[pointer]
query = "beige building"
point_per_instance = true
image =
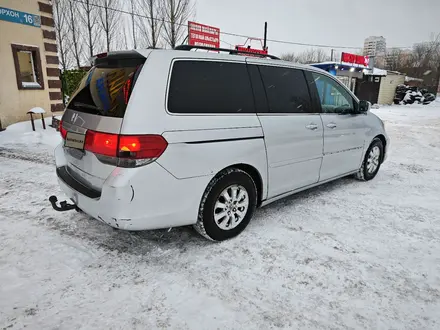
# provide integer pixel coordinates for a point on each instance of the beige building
(29, 62)
(388, 85)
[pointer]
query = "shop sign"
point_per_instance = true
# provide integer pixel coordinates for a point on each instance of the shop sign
(355, 59)
(15, 16)
(251, 50)
(203, 35)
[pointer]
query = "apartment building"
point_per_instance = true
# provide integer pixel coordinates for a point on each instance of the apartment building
(374, 46)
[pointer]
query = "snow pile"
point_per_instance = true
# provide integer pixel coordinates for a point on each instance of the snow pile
(19, 141)
(21, 134)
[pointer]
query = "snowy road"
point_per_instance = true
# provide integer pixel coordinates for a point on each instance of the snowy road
(342, 256)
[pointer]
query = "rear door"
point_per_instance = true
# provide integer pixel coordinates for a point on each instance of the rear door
(344, 130)
(292, 129)
(98, 105)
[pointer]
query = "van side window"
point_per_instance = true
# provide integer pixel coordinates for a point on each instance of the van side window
(286, 90)
(210, 87)
(334, 98)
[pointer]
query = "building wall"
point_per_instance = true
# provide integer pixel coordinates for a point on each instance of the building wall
(14, 103)
(388, 86)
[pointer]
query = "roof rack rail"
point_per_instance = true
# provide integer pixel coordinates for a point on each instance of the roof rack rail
(230, 51)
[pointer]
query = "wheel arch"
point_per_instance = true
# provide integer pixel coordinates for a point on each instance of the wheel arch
(255, 175)
(382, 138)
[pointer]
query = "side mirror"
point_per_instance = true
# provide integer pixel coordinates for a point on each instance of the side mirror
(364, 106)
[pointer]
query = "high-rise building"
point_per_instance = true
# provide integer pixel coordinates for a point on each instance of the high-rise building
(374, 46)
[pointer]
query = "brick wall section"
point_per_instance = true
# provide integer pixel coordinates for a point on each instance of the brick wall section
(50, 56)
(53, 72)
(50, 47)
(47, 21)
(49, 35)
(51, 59)
(55, 107)
(56, 83)
(55, 96)
(45, 8)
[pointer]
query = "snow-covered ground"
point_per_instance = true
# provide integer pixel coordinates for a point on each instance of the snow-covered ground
(347, 255)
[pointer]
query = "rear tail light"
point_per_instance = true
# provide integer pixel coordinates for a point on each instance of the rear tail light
(101, 143)
(62, 130)
(125, 150)
(142, 146)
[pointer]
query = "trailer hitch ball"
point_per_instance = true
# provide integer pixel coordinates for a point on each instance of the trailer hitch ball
(64, 206)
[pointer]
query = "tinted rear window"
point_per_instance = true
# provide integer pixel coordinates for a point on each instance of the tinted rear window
(286, 90)
(210, 87)
(105, 91)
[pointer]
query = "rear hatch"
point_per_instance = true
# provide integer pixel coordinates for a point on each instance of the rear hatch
(92, 121)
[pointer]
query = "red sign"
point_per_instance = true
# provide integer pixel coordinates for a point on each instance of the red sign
(203, 35)
(355, 59)
(251, 50)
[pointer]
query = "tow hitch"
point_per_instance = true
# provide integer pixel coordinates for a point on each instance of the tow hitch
(64, 206)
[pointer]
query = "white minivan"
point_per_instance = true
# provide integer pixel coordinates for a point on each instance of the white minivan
(165, 138)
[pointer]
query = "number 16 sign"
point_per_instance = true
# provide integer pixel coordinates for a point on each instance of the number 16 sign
(19, 17)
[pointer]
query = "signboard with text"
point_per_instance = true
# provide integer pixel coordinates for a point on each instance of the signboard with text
(19, 17)
(355, 59)
(203, 35)
(251, 50)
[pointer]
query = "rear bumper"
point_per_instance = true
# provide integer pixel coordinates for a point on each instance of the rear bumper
(142, 198)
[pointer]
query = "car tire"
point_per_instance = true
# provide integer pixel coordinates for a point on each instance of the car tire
(220, 218)
(372, 161)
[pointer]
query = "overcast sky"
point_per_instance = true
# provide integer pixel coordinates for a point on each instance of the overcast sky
(335, 22)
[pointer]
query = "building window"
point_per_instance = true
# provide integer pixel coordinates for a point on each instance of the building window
(28, 70)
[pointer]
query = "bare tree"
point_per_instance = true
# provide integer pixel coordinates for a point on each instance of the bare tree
(61, 30)
(176, 14)
(396, 59)
(74, 27)
(88, 15)
(133, 30)
(109, 16)
(151, 26)
(291, 57)
(313, 55)
(425, 63)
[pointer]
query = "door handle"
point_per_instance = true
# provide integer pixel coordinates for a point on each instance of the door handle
(312, 126)
(331, 125)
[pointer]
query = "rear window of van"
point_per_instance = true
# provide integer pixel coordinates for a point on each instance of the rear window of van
(105, 91)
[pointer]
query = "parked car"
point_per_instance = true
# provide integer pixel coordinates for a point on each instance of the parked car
(165, 138)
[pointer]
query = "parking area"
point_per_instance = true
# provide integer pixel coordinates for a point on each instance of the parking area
(344, 255)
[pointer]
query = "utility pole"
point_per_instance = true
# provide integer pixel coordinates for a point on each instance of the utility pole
(331, 56)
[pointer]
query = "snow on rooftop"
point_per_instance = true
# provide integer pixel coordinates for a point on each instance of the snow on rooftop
(413, 79)
(377, 72)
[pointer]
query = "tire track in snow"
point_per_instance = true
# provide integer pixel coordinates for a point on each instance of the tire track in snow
(40, 158)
